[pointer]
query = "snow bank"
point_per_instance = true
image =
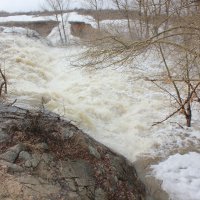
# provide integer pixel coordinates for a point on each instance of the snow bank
(29, 33)
(114, 26)
(25, 18)
(72, 16)
(21, 31)
(121, 26)
(54, 36)
(75, 17)
(180, 175)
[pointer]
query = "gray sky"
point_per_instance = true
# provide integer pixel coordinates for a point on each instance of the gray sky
(29, 5)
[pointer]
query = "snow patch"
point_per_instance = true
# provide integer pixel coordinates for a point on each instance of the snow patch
(180, 175)
(75, 17)
(21, 31)
(24, 18)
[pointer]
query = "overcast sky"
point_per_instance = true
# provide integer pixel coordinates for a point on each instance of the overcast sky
(32, 5)
(29, 5)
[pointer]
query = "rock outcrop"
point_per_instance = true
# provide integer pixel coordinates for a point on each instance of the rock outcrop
(45, 158)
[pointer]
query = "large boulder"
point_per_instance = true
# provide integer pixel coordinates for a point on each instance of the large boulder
(56, 160)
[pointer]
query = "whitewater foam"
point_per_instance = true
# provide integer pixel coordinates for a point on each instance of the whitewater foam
(107, 104)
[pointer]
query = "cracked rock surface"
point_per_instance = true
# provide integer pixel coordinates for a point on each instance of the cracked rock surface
(45, 158)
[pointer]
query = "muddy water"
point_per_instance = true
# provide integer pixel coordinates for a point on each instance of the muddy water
(107, 104)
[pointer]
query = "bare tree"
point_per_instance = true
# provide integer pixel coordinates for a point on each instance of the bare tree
(176, 38)
(97, 6)
(124, 6)
(58, 7)
(183, 85)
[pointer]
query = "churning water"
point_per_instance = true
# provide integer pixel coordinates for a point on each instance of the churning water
(107, 104)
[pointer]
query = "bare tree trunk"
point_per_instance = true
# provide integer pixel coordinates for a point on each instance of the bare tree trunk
(98, 22)
(63, 28)
(60, 33)
(129, 26)
(58, 6)
(124, 8)
(189, 115)
(61, 8)
(140, 15)
(96, 5)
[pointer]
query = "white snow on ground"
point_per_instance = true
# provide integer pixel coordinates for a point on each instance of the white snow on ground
(53, 37)
(121, 26)
(180, 175)
(20, 30)
(24, 32)
(75, 17)
(114, 26)
(24, 18)
(72, 16)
